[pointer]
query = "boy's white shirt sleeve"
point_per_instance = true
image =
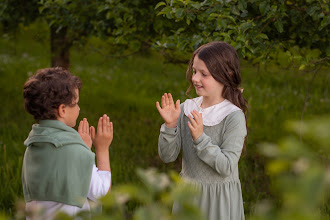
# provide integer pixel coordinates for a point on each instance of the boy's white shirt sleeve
(100, 183)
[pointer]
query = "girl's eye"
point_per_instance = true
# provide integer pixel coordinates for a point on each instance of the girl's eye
(204, 74)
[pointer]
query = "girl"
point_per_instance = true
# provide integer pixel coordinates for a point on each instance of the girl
(211, 130)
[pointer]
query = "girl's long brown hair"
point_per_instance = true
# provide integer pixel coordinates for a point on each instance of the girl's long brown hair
(222, 61)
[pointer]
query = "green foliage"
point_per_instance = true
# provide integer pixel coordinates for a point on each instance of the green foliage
(256, 28)
(299, 167)
(15, 12)
(127, 89)
(128, 25)
(77, 16)
(156, 196)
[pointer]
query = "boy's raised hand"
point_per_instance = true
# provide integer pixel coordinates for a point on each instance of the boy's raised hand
(168, 111)
(102, 140)
(84, 132)
(104, 135)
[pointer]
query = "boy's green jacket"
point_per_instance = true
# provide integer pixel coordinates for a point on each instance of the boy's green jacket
(57, 164)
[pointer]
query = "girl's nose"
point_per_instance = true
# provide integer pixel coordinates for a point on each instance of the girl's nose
(195, 78)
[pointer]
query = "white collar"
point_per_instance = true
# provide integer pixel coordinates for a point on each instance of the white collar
(212, 115)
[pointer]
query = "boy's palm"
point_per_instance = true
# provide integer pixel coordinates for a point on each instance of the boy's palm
(169, 111)
(103, 138)
(84, 132)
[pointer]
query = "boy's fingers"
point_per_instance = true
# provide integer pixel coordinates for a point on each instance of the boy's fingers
(86, 126)
(92, 132)
(80, 127)
(99, 125)
(108, 124)
(111, 129)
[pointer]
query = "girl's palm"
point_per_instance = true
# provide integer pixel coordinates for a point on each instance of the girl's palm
(169, 111)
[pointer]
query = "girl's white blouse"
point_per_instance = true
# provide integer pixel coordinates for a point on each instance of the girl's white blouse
(212, 115)
(99, 186)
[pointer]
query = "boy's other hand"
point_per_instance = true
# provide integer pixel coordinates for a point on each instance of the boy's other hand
(84, 132)
(103, 138)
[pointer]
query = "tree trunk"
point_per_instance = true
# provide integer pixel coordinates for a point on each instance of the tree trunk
(59, 47)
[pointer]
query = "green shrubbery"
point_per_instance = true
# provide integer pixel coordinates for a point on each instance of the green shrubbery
(127, 90)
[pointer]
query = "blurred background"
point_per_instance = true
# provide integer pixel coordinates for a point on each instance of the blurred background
(128, 53)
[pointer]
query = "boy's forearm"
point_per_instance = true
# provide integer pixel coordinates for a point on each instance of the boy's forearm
(103, 160)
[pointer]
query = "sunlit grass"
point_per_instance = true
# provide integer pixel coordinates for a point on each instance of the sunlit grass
(126, 89)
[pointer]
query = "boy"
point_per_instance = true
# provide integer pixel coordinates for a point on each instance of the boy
(59, 172)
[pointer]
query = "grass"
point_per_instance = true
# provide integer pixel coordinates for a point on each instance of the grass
(127, 89)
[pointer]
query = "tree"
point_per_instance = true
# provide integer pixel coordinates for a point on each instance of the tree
(256, 28)
(127, 24)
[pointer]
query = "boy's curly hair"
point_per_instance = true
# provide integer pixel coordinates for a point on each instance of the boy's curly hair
(47, 89)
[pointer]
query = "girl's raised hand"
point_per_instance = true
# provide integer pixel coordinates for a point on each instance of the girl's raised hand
(168, 111)
(195, 124)
(84, 132)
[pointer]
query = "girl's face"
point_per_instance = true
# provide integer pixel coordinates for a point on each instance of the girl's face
(204, 82)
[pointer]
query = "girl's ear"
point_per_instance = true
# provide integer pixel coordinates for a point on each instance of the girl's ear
(61, 111)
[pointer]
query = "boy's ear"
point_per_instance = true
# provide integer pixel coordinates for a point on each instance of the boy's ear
(61, 111)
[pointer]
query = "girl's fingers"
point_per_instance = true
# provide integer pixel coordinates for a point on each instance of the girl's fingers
(166, 99)
(163, 101)
(190, 126)
(192, 121)
(177, 104)
(196, 116)
(170, 99)
(158, 107)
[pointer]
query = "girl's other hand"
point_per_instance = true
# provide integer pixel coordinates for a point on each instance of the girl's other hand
(195, 124)
(84, 132)
(103, 138)
(168, 111)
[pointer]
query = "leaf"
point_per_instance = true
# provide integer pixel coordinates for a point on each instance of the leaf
(159, 4)
(168, 13)
(263, 36)
(264, 7)
(179, 12)
(188, 21)
(279, 26)
(214, 15)
(196, 5)
(325, 22)
(235, 10)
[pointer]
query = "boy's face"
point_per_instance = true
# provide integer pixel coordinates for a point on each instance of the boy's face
(72, 112)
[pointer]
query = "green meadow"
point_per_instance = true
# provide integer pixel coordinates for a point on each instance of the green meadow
(127, 89)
